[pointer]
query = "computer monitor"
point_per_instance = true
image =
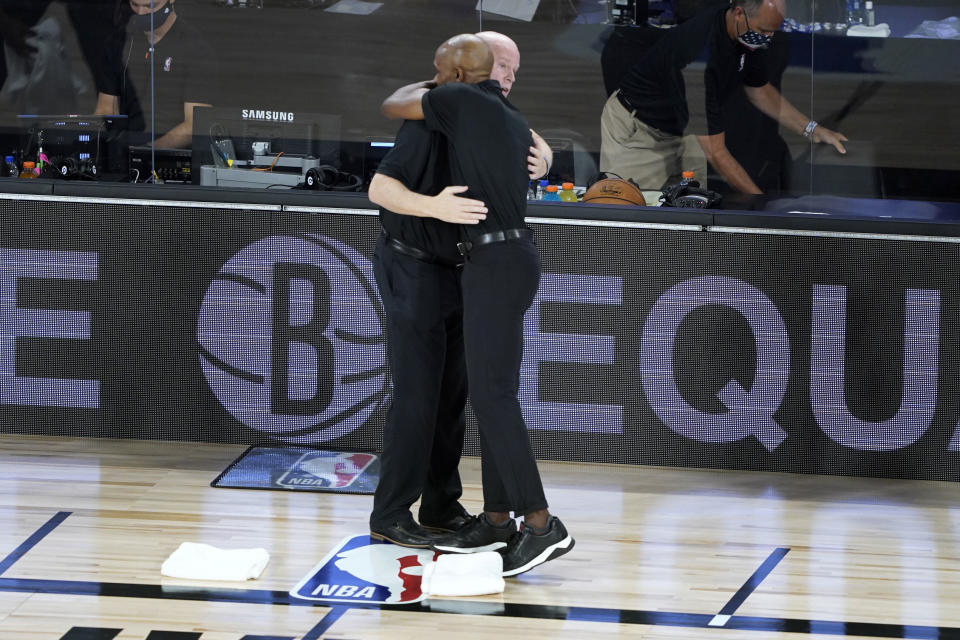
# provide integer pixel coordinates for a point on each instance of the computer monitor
(294, 133)
(375, 150)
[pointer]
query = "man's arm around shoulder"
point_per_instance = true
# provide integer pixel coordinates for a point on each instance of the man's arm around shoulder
(406, 102)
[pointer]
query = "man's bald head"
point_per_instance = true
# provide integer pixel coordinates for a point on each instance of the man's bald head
(765, 16)
(506, 59)
(463, 58)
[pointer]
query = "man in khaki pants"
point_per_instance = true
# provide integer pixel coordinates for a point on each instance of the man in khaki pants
(650, 157)
(661, 121)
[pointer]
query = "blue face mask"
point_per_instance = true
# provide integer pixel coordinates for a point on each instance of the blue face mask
(753, 40)
(140, 22)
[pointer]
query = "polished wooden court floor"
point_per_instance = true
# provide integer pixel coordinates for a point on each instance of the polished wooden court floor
(661, 553)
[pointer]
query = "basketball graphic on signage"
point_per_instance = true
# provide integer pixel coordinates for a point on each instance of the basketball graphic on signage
(279, 343)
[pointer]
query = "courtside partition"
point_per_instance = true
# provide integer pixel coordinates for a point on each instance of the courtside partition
(718, 340)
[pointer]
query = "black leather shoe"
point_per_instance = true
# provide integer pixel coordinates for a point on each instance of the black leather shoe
(404, 534)
(447, 525)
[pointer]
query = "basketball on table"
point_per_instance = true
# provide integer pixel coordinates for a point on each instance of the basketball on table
(614, 191)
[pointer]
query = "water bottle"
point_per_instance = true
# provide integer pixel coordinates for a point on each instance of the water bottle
(869, 13)
(542, 188)
(531, 190)
(551, 194)
(11, 167)
(686, 178)
(854, 12)
(567, 193)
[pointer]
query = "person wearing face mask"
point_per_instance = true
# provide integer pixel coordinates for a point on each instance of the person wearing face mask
(660, 123)
(160, 61)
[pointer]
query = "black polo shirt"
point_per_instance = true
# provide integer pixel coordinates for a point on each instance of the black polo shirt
(655, 84)
(489, 144)
(184, 71)
(419, 160)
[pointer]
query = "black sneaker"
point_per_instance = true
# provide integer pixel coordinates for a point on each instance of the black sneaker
(477, 535)
(528, 549)
(404, 534)
(450, 524)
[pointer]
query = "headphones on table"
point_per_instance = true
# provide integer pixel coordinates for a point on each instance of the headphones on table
(327, 177)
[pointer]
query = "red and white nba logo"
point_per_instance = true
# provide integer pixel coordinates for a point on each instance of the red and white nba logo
(328, 469)
(363, 570)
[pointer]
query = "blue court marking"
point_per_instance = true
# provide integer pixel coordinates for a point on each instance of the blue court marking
(506, 609)
(32, 541)
(324, 625)
(722, 618)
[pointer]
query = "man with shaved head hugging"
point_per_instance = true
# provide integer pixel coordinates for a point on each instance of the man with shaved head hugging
(487, 142)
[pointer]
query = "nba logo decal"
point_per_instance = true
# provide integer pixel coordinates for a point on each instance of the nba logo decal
(361, 570)
(328, 469)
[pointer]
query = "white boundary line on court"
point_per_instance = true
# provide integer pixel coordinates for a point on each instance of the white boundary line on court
(719, 621)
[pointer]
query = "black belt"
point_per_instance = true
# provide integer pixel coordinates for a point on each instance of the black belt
(414, 252)
(625, 102)
(494, 236)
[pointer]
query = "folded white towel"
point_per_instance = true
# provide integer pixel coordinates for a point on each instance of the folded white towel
(199, 561)
(881, 30)
(464, 574)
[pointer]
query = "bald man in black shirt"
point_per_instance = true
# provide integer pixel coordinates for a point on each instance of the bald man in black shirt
(488, 143)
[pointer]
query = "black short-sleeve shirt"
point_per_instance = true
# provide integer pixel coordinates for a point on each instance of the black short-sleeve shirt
(419, 161)
(655, 85)
(489, 142)
(184, 71)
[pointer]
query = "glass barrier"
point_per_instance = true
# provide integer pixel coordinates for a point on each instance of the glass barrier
(891, 82)
(753, 96)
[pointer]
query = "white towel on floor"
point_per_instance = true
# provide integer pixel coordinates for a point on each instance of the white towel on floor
(199, 561)
(464, 574)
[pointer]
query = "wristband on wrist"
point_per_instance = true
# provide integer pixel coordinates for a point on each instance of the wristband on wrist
(808, 130)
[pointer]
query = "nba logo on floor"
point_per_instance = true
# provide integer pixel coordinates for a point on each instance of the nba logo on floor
(327, 469)
(363, 570)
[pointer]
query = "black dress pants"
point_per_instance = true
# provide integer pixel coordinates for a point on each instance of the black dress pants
(423, 435)
(500, 281)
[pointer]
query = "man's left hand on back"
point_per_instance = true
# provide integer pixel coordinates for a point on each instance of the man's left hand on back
(539, 160)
